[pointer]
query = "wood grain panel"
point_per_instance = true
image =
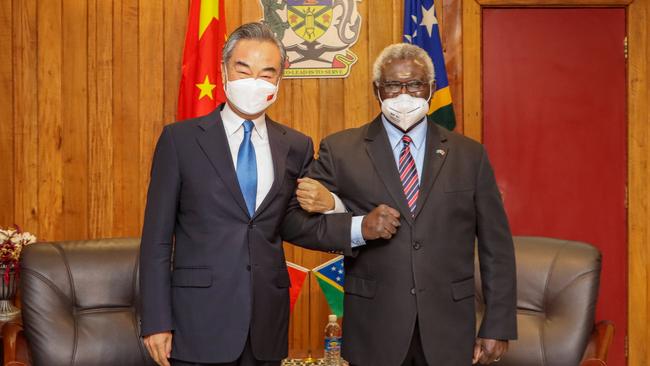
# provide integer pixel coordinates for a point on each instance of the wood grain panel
(638, 177)
(75, 118)
(472, 102)
(175, 19)
(25, 112)
(150, 85)
(357, 87)
(380, 35)
(50, 127)
(452, 46)
(127, 208)
(100, 119)
(6, 116)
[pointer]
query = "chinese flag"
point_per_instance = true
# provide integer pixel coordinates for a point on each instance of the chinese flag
(297, 274)
(201, 88)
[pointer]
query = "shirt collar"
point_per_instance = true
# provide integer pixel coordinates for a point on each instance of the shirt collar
(418, 134)
(232, 122)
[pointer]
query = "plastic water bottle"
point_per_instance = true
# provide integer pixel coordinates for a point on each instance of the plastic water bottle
(332, 342)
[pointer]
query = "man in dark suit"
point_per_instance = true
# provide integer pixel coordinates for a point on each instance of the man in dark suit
(409, 296)
(213, 278)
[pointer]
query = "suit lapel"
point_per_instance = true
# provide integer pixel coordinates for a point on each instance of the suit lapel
(214, 144)
(380, 153)
(435, 153)
(279, 150)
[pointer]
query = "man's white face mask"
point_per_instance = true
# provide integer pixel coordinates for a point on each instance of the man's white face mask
(250, 96)
(404, 110)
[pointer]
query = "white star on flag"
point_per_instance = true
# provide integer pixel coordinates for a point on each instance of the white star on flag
(429, 18)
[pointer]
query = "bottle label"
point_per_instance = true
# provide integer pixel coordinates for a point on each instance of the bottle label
(333, 344)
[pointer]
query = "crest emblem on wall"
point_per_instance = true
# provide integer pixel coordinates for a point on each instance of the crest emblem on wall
(317, 35)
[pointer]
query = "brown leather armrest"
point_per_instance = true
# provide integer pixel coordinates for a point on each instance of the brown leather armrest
(599, 343)
(14, 345)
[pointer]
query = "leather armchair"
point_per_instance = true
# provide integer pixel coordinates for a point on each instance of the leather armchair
(79, 306)
(557, 289)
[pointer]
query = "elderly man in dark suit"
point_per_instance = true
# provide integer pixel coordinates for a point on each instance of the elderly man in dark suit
(409, 295)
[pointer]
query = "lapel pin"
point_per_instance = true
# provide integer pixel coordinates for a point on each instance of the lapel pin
(440, 152)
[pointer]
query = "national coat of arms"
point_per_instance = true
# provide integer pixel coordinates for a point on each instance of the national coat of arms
(317, 35)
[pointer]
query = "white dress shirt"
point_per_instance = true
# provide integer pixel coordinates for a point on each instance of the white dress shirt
(260, 139)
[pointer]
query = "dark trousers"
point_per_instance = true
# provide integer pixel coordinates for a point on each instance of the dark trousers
(246, 359)
(415, 355)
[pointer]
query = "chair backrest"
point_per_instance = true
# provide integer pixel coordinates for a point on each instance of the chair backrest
(79, 303)
(557, 289)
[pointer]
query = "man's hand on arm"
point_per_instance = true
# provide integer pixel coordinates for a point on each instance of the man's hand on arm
(382, 222)
(159, 346)
(487, 351)
(313, 196)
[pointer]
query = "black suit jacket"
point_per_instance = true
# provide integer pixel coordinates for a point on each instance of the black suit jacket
(426, 271)
(228, 276)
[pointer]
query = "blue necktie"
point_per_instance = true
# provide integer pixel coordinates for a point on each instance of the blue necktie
(247, 168)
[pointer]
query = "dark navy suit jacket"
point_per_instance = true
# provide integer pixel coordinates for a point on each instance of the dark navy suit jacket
(226, 276)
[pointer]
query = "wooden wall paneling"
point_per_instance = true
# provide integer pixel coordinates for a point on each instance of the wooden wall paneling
(306, 97)
(472, 102)
(250, 11)
(380, 35)
(305, 101)
(50, 129)
(332, 106)
(233, 15)
(451, 32)
(639, 175)
(398, 19)
(6, 115)
(561, 3)
(100, 119)
(150, 83)
(75, 118)
(357, 87)
(25, 111)
(127, 206)
(175, 19)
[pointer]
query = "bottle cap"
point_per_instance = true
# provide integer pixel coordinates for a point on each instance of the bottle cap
(332, 318)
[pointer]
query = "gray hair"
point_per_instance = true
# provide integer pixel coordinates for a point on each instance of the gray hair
(402, 51)
(253, 31)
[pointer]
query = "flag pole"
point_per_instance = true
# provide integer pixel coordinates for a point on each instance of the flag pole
(309, 359)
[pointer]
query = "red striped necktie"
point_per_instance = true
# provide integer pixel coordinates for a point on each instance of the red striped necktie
(408, 173)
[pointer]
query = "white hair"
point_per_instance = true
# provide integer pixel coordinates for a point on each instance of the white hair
(402, 51)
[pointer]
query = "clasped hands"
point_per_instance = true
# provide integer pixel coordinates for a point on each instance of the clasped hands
(380, 223)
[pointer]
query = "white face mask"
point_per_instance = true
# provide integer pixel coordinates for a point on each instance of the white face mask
(251, 96)
(404, 110)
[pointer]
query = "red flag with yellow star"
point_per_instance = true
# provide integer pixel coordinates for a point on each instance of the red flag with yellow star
(201, 88)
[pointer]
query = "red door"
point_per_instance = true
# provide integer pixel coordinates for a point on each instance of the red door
(555, 128)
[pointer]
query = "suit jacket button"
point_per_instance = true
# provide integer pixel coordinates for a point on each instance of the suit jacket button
(251, 226)
(413, 291)
(248, 267)
(416, 245)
